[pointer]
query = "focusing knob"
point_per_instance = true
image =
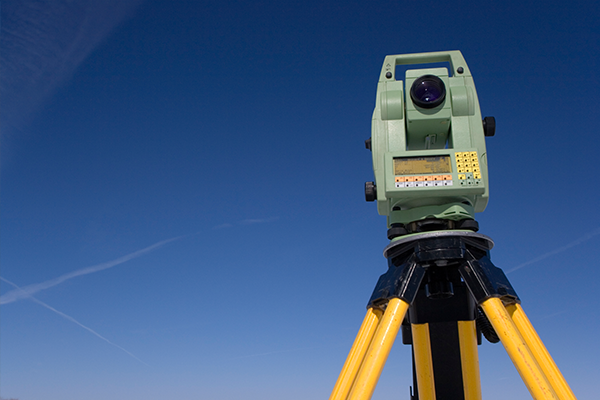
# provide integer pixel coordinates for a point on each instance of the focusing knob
(368, 144)
(370, 191)
(489, 126)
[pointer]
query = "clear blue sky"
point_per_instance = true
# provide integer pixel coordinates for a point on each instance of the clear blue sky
(185, 181)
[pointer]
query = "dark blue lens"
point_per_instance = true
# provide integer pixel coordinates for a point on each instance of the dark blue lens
(428, 91)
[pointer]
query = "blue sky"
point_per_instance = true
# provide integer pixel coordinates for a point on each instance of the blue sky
(182, 190)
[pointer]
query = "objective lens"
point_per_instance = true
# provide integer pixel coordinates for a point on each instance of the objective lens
(428, 91)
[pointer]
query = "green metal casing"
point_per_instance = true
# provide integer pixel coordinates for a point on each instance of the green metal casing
(402, 131)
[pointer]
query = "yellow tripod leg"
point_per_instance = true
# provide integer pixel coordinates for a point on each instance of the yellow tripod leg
(357, 354)
(518, 351)
(467, 333)
(541, 354)
(421, 342)
(380, 347)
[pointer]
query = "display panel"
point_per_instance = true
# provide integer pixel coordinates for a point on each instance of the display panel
(422, 165)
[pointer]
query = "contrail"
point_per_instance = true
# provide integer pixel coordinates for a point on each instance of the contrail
(43, 43)
(574, 243)
(247, 221)
(29, 290)
(17, 288)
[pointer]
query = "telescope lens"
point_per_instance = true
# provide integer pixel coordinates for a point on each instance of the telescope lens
(428, 91)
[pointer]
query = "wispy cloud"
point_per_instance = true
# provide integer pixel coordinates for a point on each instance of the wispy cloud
(223, 226)
(43, 43)
(30, 290)
(65, 316)
(248, 221)
(257, 220)
(554, 252)
(554, 315)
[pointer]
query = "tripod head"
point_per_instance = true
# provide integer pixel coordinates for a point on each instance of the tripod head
(428, 144)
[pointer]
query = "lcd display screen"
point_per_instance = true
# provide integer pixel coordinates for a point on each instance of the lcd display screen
(422, 165)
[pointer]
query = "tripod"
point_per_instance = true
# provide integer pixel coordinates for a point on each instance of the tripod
(442, 289)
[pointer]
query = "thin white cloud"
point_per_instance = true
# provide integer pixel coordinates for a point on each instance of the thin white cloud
(69, 318)
(257, 220)
(554, 315)
(44, 42)
(26, 291)
(566, 247)
(223, 226)
(247, 221)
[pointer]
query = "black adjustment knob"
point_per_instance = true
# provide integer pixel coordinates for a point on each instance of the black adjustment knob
(370, 191)
(469, 224)
(489, 126)
(396, 230)
(368, 144)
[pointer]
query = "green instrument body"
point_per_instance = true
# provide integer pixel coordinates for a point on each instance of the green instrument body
(428, 162)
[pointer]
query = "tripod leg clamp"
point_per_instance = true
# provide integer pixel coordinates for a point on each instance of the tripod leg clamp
(409, 262)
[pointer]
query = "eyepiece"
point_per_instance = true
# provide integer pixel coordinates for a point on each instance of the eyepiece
(428, 91)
